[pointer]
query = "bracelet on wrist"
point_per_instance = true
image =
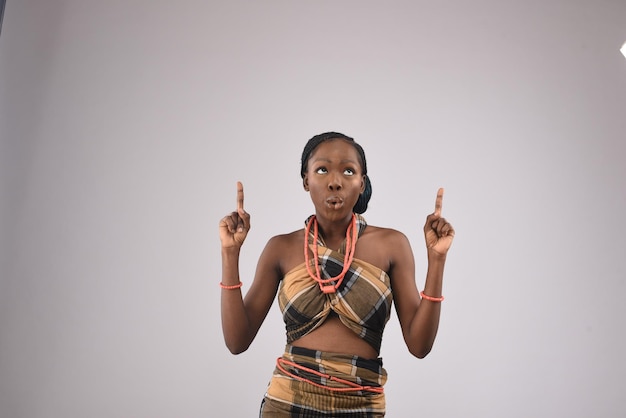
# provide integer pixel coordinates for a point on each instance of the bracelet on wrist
(231, 287)
(431, 298)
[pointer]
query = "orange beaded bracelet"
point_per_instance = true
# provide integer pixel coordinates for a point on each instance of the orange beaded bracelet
(431, 298)
(235, 286)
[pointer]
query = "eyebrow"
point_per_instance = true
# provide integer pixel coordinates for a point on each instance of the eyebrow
(326, 160)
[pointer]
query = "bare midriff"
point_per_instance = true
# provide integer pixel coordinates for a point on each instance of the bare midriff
(333, 336)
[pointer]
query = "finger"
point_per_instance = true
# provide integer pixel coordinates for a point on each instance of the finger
(441, 224)
(245, 219)
(438, 226)
(227, 222)
(239, 197)
(236, 223)
(439, 201)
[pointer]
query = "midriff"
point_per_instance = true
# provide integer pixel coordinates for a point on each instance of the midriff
(333, 336)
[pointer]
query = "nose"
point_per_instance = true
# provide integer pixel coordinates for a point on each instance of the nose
(334, 182)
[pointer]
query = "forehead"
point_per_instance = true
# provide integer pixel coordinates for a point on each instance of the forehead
(333, 149)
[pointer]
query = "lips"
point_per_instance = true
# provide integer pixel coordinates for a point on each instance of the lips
(334, 202)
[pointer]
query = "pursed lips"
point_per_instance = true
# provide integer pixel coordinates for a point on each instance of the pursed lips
(334, 201)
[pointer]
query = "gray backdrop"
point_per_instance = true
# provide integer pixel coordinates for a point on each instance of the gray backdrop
(125, 125)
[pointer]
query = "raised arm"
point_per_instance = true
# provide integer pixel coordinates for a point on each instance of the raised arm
(419, 317)
(241, 319)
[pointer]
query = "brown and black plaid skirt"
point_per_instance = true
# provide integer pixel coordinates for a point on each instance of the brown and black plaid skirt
(308, 383)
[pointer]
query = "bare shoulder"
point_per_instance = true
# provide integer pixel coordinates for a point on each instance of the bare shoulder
(286, 240)
(386, 235)
(285, 250)
(382, 246)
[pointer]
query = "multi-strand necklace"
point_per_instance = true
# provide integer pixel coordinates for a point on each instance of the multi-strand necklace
(326, 285)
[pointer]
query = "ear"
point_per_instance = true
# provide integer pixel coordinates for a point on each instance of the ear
(363, 183)
(305, 182)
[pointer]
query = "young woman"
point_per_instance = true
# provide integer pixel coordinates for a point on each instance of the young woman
(336, 279)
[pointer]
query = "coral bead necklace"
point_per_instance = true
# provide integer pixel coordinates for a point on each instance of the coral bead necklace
(326, 285)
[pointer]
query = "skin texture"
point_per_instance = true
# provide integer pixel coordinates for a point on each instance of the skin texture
(334, 181)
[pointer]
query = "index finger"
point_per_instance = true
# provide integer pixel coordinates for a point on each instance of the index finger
(239, 196)
(439, 201)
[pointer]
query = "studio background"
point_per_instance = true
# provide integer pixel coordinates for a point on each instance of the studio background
(125, 125)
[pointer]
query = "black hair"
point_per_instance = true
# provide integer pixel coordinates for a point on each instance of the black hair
(364, 198)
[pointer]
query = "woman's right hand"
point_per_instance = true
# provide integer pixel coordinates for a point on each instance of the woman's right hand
(234, 227)
(438, 232)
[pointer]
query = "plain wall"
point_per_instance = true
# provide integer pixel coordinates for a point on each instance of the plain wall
(124, 126)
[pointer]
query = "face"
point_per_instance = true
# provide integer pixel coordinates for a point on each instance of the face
(334, 178)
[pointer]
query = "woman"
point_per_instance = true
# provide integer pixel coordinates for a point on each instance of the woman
(336, 280)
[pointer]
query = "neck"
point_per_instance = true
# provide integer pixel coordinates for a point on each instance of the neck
(333, 231)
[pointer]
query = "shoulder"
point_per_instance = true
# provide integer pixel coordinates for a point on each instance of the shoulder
(386, 235)
(284, 251)
(287, 239)
(384, 247)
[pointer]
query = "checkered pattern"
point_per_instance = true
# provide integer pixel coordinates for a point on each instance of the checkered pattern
(362, 301)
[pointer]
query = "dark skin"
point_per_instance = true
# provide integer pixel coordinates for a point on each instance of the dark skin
(334, 180)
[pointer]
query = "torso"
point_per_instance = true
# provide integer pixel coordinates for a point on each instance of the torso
(333, 335)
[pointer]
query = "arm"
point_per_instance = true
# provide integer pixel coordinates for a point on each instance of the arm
(419, 318)
(241, 319)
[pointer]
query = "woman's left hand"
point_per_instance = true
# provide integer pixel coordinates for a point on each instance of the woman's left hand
(438, 232)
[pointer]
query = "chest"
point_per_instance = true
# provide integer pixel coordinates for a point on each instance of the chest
(371, 248)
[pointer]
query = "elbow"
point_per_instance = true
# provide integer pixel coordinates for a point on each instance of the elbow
(421, 344)
(236, 342)
(421, 354)
(236, 348)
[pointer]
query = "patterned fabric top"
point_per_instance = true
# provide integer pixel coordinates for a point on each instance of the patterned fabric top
(362, 302)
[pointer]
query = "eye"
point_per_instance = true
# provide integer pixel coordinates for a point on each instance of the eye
(348, 172)
(321, 170)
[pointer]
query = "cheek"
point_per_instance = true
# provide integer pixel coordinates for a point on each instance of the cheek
(312, 188)
(316, 189)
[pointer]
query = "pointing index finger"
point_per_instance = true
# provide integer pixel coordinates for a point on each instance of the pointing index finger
(439, 201)
(239, 196)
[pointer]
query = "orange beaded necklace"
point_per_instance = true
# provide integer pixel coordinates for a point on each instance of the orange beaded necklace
(351, 237)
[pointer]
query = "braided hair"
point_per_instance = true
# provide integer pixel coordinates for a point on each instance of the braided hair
(364, 198)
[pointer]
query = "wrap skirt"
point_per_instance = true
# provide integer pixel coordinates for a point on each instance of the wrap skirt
(309, 383)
